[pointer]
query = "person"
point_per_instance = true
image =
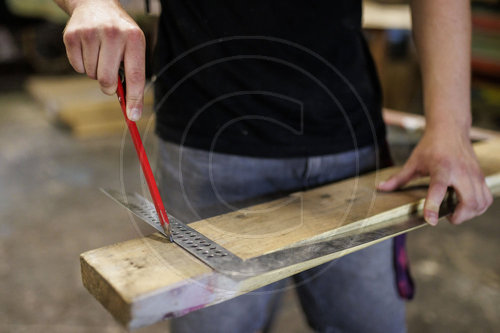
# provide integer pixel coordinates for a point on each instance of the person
(259, 98)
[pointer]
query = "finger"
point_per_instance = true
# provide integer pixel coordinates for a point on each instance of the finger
(467, 198)
(399, 179)
(74, 50)
(488, 198)
(110, 55)
(134, 60)
(480, 197)
(435, 196)
(489, 194)
(90, 51)
(481, 191)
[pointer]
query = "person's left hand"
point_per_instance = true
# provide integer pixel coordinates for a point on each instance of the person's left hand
(446, 155)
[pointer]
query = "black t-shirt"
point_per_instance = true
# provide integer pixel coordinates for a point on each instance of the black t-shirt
(266, 78)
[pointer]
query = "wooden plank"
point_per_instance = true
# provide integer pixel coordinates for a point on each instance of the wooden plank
(78, 103)
(145, 280)
(111, 127)
(386, 16)
(416, 122)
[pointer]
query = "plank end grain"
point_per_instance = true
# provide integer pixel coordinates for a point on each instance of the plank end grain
(102, 290)
(143, 281)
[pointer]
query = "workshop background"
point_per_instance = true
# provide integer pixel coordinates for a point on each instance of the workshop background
(61, 140)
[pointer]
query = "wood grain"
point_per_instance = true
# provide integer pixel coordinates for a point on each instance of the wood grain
(145, 280)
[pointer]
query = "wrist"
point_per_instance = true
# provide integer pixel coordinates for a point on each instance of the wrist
(448, 130)
(456, 120)
(448, 126)
(71, 5)
(447, 106)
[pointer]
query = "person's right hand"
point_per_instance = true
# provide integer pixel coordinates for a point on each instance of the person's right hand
(98, 37)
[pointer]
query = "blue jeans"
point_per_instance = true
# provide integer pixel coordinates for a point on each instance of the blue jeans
(355, 293)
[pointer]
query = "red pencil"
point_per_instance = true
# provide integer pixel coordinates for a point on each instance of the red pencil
(146, 168)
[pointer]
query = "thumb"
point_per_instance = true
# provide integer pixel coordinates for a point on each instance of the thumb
(435, 195)
(399, 179)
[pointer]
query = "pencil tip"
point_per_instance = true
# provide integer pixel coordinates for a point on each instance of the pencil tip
(166, 230)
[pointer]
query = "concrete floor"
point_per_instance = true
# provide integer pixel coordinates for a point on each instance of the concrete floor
(51, 211)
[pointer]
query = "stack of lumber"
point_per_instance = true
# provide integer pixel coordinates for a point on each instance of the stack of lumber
(78, 103)
(386, 15)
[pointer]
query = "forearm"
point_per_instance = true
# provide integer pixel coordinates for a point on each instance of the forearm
(442, 32)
